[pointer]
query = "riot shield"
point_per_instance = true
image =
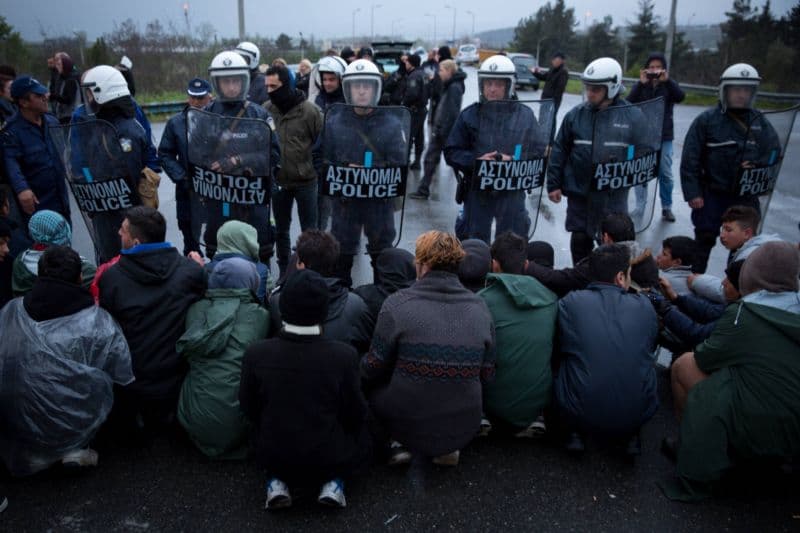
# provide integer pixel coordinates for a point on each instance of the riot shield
(229, 168)
(626, 154)
(365, 167)
(511, 153)
(761, 157)
(94, 158)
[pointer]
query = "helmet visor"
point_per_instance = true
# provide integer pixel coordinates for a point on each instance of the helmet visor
(362, 90)
(231, 87)
(495, 87)
(739, 96)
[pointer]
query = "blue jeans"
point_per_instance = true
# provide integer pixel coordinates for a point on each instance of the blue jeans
(282, 201)
(665, 181)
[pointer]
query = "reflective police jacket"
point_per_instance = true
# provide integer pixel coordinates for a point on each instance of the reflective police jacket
(716, 145)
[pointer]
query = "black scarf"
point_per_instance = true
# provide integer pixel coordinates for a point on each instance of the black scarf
(284, 98)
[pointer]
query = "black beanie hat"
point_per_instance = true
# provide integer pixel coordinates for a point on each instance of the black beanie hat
(541, 253)
(732, 273)
(475, 265)
(304, 299)
(414, 60)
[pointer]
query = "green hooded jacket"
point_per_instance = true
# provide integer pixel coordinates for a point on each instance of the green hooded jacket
(524, 313)
(749, 405)
(219, 328)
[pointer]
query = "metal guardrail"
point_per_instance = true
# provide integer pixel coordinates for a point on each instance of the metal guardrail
(712, 91)
(163, 108)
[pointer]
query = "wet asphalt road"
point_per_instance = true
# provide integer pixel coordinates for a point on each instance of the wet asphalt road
(501, 483)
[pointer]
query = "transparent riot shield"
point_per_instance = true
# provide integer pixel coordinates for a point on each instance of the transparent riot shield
(626, 155)
(508, 177)
(762, 155)
(229, 168)
(365, 168)
(101, 183)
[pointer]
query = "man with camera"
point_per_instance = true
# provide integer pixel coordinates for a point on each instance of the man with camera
(654, 81)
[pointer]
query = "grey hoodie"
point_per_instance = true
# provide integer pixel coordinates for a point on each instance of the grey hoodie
(710, 287)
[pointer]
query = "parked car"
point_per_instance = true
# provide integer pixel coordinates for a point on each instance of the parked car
(524, 64)
(467, 53)
(388, 53)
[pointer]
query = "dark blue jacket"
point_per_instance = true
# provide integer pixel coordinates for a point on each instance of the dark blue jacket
(463, 143)
(672, 94)
(449, 105)
(716, 145)
(325, 100)
(32, 162)
(173, 156)
(692, 319)
(606, 383)
(152, 161)
(570, 167)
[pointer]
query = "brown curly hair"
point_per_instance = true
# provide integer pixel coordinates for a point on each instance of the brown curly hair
(439, 250)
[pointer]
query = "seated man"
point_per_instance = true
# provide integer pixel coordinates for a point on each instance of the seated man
(348, 318)
(675, 262)
(605, 385)
(218, 330)
(432, 351)
(476, 265)
(149, 291)
(524, 313)
(394, 270)
(736, 394)
(59, 358)
(303, 396)
(46, 228)
(739, 234)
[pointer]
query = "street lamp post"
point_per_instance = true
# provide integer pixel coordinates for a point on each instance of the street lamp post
(434, 26)
(472, 35)
(353, 43)
(372, 21)
(454, 21)
(302, 47)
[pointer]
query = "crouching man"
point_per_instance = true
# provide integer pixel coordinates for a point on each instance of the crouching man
(59, 360)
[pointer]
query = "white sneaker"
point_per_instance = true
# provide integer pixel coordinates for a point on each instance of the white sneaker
(448, 459)
(332, 494)
(536, 429)
(278, 496)
(80, 458)
(485, 427)
(398, 454)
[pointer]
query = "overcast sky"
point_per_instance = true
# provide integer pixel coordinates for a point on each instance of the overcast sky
(331, 18)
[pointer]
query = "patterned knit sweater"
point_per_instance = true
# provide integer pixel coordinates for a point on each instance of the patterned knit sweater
(432, 349)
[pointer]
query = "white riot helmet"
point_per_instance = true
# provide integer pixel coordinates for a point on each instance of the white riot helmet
(250, 53)
(333, 64)
(604, 71)
(738, 75)
(226, 68)
(103, 84)
(358, 76)
(498, 67)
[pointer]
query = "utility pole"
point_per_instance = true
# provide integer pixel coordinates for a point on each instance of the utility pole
(372, 22)
(454, 21)
(241, 20)
(671, 32)
(472, 35)
(434, 26)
